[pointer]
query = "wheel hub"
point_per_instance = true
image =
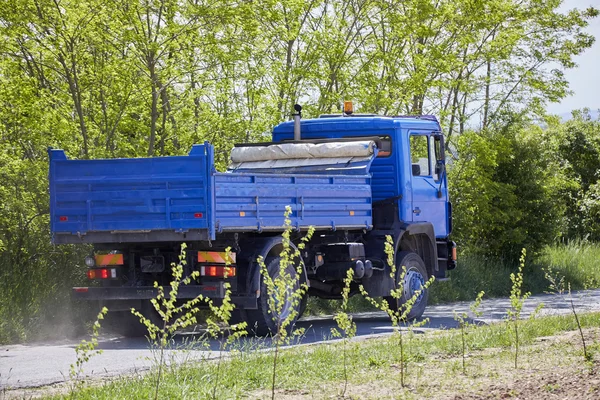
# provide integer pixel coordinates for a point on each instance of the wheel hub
(285, 304)
(413, 283)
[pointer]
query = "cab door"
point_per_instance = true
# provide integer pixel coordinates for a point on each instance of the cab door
(429, 185)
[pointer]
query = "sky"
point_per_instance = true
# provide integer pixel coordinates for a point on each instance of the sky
(584, 80)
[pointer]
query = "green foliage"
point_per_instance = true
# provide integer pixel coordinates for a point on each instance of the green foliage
(285, 290)
(575, 147)
(346, 327)
(172, 316)
(218, 323)
(517, 185)
(504, 191)
(517, 299)
(400, 315)
(84, 351)
(589, 207)
(35, 277)
(464, 324)
(175, 315)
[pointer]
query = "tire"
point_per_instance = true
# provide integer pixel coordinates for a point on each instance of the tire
(262, 321)
(415, 278)
(124, 323)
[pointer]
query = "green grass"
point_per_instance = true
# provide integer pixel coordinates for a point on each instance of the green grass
(577, 262)
(318, 306)
(310, 367)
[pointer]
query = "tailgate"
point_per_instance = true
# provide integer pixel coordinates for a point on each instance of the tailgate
(132, 200)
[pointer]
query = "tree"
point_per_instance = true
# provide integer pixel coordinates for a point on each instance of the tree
(575, 147)
(505, 189)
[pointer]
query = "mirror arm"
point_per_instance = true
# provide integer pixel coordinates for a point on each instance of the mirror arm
(443, 163)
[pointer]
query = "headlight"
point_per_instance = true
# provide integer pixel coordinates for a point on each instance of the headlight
(90, 261)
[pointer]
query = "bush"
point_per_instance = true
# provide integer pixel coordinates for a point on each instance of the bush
(504, 192)
(35, 276)
(576, 261)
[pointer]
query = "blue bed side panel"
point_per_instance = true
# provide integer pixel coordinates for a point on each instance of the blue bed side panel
(256, 202)
(137, 194)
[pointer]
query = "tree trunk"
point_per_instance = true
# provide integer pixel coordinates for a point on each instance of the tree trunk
(74, 90)
(154, 106)
(283, 85)
(486, 104)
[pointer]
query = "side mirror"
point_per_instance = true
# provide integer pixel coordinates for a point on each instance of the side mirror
(439, 167)
(440, 138)
(416, 169)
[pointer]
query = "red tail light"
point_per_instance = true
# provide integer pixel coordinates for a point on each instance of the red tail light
(102, 273)
(63, 219)
(216, 271)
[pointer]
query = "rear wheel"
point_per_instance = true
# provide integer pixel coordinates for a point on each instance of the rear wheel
(413, 282)
(264, 321)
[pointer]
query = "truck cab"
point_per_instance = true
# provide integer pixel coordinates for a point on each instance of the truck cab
(409, 183)
(409, 197)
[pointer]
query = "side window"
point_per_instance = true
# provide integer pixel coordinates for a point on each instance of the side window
(386, 147)
(419, 155)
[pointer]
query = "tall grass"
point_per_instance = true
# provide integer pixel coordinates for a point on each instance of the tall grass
(35, 289)
(576, 261)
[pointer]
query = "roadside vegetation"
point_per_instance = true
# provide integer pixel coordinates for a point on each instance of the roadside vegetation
(576, 262)
(373, 366)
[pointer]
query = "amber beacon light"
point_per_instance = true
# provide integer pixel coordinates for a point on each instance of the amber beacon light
(348, 107)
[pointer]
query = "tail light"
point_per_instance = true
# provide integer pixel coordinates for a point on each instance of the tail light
(451, 255)
(217, 271)
(102, 273)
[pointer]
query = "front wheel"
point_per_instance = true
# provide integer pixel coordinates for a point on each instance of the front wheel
(412, 284)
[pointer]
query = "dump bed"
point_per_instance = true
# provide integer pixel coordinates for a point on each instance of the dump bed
(182, 198)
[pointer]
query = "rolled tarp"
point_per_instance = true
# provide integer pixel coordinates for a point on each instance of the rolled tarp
(303, 151)
(287, 158)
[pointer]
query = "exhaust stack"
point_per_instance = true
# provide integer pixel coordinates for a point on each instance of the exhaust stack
(297, 117)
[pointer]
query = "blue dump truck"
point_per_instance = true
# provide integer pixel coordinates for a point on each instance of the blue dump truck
(354, 178)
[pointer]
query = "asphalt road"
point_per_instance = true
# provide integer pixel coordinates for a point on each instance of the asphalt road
(41, 364)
